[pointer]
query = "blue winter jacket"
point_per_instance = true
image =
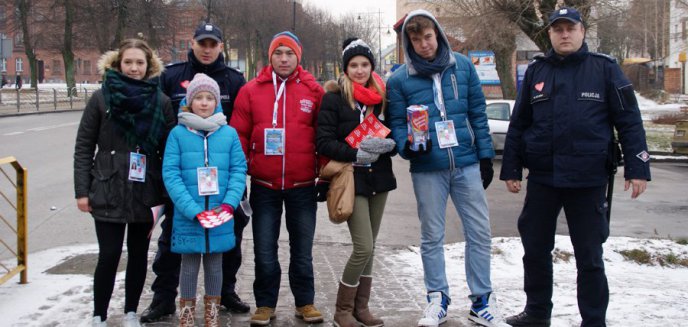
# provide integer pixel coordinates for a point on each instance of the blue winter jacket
(561, 127)
(183, 155)
(465, 105)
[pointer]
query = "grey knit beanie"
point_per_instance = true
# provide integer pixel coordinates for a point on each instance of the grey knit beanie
(200, 83)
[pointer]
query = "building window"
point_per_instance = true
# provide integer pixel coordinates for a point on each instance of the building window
(87, 67)
(19, 39)
(182, 44)
(57, 67)
(19, 65)
(684, 31)
(3, 63)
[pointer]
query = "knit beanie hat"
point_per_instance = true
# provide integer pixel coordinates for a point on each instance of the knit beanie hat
(287, 39)
(356, 47)
(200, 83)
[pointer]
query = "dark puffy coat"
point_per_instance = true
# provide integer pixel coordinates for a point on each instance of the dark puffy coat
(176, 75)
(335, 121)
(561, 127)
(104, 179)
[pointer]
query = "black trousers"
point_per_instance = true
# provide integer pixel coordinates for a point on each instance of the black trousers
(110, 241)
(166, 264)
(585, 210)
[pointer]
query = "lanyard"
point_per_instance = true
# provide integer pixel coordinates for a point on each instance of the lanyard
(205, 149)
(439, 98)
(278, 95)
(362, 110)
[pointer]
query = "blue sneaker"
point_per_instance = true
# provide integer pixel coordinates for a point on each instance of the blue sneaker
(436, 311)
(484, 311)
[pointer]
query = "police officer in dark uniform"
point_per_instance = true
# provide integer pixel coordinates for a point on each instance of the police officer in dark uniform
(561, 131)
(205, 57)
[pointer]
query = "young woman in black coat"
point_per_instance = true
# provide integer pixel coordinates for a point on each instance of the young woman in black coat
(127, 121)
(359, 93)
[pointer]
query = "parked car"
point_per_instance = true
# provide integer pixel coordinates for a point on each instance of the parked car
(498, 115)
(680, 141)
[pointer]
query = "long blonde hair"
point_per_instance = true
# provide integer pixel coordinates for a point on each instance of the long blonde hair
(347, 86)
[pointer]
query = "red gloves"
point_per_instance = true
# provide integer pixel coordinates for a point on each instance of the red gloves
(216, 216)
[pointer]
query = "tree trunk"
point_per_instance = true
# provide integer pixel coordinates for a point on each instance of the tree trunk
(24, 8)
(67, 52)
(505, 70)
(121, 7)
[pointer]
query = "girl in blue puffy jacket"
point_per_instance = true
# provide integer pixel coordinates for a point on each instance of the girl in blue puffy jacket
(204, 171)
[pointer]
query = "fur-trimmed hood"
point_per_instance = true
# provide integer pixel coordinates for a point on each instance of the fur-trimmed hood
(332, 86)
(110, 57)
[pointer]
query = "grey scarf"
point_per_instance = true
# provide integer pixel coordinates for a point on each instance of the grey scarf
(209, 124)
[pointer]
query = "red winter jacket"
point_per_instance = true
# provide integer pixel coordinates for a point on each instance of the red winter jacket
(253, 110)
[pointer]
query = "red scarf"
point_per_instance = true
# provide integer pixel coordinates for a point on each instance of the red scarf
(368, 95)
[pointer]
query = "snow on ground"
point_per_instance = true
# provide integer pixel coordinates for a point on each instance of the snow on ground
(649, 109)
(641, 295)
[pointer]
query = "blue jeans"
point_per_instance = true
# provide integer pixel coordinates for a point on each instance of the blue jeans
(300, 207)
(466, 190)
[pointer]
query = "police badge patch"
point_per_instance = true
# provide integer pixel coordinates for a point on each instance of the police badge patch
(644, 156)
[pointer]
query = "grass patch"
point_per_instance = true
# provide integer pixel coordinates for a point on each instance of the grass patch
(643, 257)
(682, 241)
(638, 256)
(658, 136)
(559, 255)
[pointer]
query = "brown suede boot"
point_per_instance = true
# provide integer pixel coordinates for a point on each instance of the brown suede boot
(345, 305)
(361, 312)
(187, 312)
(211, 306)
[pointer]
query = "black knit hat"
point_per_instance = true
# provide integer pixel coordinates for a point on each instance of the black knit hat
(356, 47)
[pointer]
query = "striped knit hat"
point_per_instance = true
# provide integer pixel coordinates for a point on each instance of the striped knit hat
(287, 39)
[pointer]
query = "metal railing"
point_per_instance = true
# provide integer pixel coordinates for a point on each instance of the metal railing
(19, 206)
(43, 100)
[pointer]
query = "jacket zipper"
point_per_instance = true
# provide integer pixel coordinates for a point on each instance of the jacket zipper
(455, 86)
(207, 197)
(450, 153)
(284, 137)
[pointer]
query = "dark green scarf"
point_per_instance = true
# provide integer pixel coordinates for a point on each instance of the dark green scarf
(134, 107)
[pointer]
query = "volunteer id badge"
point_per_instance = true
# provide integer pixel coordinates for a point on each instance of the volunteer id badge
(446, 135)
(137, 167)
(207, 181)
(274, 141)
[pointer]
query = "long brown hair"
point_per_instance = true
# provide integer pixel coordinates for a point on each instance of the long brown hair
(134, 44)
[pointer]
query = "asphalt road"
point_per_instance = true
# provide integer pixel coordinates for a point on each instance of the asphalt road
(45, 143)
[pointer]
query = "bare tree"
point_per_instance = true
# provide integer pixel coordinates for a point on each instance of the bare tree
(67, 51)
(121, 12)
(23, 13)
(482, 27)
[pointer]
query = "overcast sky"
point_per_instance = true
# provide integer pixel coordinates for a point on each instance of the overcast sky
(339, 7)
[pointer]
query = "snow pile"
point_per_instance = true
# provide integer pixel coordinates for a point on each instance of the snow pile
(640, 295)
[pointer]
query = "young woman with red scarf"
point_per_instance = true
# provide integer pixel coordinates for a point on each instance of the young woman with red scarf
(360, 92)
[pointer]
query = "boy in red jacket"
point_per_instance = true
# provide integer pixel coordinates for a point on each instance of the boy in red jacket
(275, 115)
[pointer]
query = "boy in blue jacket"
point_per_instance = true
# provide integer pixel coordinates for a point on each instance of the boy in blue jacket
(204, 171)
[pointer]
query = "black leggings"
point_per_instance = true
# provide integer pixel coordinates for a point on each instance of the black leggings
(110, 241)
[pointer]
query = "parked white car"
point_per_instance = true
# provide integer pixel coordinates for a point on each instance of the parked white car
(498, 115)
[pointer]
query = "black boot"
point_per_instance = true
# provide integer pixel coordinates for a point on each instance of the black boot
(524, 320)
(233, 303)
(158, 310)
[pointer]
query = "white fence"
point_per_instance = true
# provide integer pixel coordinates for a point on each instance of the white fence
(43, 99)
